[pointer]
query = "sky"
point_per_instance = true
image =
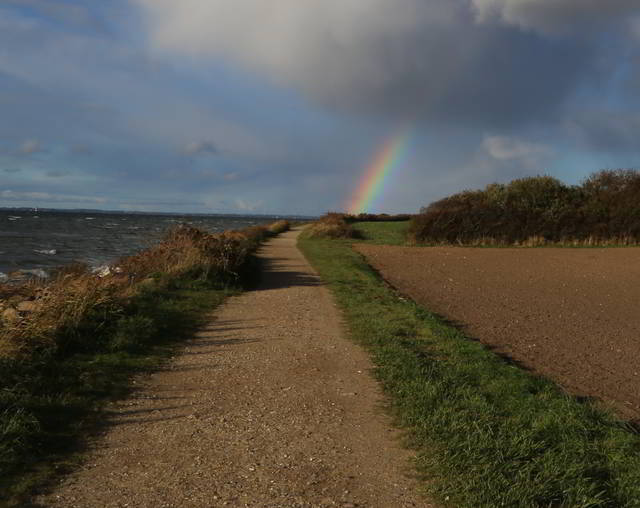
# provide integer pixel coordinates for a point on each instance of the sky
(281, 106)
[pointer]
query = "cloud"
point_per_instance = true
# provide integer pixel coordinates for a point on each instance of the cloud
(49, 197)
(200, 148)
(59, 11)
(29, 147)
(12, 170)
(508, 148)
(411, 59)
(559, 16)
(606, 131)
(247, 206)
(56, 173)
(80, 149)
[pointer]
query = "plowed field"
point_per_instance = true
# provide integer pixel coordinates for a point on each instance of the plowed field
(572, 315)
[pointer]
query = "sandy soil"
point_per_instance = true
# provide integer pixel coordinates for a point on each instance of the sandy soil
(570, 314)
(269, 406)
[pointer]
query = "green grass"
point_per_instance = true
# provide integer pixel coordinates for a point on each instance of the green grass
(486, 433)
(383, 233)
(50, 402)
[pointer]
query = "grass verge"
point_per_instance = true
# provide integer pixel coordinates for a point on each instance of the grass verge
(52, 402)
(86, 335)
(486, 433)
(383, 233)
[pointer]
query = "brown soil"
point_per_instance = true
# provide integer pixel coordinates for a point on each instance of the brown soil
(269, 406)
(572, 315)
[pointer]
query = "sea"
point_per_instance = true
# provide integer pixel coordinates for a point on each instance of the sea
(33, 242)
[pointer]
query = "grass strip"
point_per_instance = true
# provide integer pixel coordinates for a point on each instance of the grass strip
(486, 433)
(382, 233)
(52, 402)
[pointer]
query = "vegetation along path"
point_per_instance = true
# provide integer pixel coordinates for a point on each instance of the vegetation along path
(268, 406)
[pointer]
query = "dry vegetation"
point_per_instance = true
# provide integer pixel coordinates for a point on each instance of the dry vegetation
(58, 315)
(603, 210)
(332, 225)
(339, 225)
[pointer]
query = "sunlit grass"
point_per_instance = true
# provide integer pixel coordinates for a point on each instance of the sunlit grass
(383, 233)
(486, 433)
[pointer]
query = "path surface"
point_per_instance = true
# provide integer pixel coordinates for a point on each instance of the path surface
(270, 406)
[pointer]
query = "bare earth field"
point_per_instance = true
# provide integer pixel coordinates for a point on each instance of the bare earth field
(572, 315)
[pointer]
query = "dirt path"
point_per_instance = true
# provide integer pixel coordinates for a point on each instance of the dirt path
(269, 406)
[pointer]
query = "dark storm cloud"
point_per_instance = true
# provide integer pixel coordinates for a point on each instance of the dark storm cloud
(606, 131)
(558, 17)
(455, 61)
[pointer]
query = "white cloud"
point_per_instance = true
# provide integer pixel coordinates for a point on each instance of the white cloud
(291, 39)
(247, 206)
(557, 16)
(505, 148)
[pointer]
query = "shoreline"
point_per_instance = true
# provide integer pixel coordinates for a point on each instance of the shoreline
(82, 338)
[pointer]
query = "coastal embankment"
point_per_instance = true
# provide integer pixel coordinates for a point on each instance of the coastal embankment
(70, 344)
(269, 405)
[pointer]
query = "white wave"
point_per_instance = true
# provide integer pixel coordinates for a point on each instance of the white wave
(102, 271)
(36, 272)
(48, 252)
(106, 270)
(3, 277)
(89, 218)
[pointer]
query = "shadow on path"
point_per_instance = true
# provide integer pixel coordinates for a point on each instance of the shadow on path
(275, 278)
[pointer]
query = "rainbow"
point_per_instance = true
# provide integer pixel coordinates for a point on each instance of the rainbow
(387, 158)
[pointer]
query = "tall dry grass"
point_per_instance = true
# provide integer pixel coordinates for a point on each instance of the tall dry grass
(62, 313)
(332, 225)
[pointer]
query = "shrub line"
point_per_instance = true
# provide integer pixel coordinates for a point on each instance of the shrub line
(603, 210)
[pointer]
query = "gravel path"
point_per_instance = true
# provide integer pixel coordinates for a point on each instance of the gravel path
(268, 406)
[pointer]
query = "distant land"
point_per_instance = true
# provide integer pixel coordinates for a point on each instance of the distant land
(130, 212)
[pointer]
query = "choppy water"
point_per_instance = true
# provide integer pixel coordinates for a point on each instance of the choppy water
(40, 240)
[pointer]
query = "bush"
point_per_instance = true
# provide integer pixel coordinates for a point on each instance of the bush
(380, 217)
(605, 209)
(332, 225)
